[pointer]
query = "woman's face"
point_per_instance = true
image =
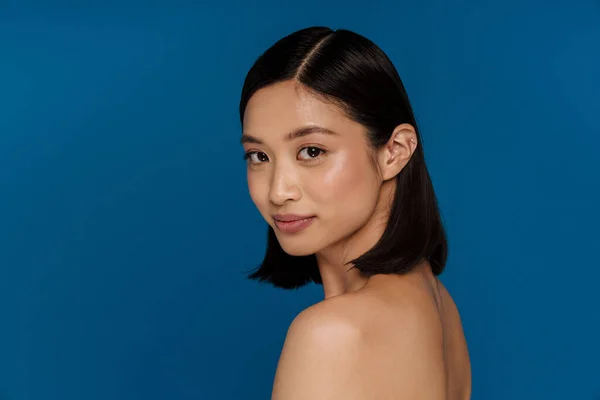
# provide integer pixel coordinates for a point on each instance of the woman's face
(327, 176)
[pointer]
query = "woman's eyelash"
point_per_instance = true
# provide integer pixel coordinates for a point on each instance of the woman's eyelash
(247, 155)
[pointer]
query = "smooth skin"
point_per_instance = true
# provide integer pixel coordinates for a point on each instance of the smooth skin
(384, 337)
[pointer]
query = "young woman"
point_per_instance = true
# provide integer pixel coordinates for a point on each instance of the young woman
(335, 167)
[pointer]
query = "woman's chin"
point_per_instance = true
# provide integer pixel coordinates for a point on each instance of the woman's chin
(297, 249)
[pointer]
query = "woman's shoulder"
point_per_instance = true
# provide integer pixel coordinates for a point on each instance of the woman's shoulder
(362, 335)
(378, 315)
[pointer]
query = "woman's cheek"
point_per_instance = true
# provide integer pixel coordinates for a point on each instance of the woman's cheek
(258, 191)
(340, 178)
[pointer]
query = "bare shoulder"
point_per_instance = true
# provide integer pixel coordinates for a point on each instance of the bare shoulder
(321, 348)
(357, 346)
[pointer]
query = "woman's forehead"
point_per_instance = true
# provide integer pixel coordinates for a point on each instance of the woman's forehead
(281, 108)
(283, 102)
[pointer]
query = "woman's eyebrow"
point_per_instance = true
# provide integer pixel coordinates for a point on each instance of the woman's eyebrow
(296, 133)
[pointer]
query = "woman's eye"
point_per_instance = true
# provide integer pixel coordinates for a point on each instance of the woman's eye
(255, 157)
(312, 152)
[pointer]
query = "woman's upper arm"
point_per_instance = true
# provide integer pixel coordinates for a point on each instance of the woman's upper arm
(325, 356)
(318, 361)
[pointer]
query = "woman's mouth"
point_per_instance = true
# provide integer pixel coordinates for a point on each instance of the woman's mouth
(294, 226)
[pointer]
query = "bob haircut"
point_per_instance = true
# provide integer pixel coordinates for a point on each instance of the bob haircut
(348, 70)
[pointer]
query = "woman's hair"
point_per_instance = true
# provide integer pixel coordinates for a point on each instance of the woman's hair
(350, 71)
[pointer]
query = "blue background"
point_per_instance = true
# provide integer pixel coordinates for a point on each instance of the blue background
(126, 226)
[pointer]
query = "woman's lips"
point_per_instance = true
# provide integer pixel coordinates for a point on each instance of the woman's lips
(293, 226)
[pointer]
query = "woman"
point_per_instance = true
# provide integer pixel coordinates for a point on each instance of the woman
(335, 167)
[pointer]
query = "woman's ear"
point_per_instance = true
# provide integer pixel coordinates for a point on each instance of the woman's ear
(397, 151)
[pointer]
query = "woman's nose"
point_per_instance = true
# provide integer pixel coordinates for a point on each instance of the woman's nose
(284, 186)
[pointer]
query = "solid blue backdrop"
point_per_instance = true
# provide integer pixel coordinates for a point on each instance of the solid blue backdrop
(126, 226)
